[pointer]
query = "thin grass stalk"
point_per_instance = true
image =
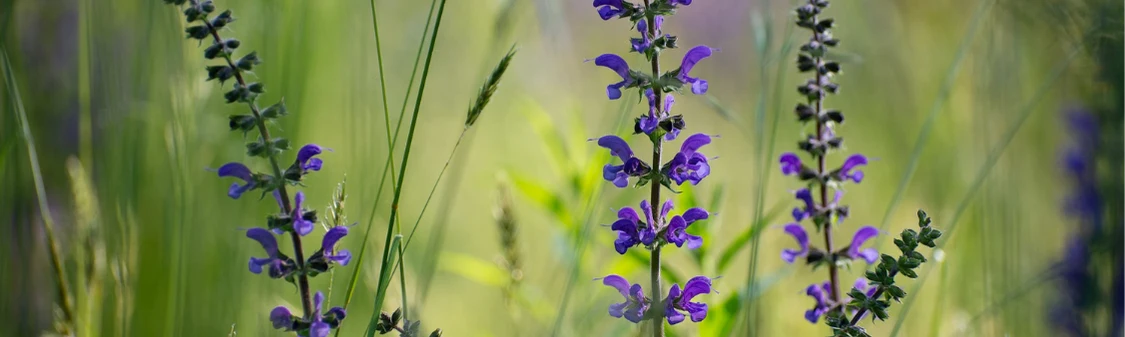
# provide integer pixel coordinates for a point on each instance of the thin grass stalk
(387, 167)
(62, 290)
(1025, 112)
(381, 293)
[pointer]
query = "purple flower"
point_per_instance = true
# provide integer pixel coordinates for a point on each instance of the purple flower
(677, 227)
(630, 167)
(643, 43)
(693, 56)
(318, 328)
(810, 206)
(845, 171)
(635, 305)
(328, 246)
(648, 123)
(277, 263)
(281, 318)
(239, 171)
(862, 235)
(790, 163)
(300, 225)
(821, 293)
(689, 165)
(802, 237)
(619, 66)
(305, 158)
(679, 2)
(631, 231)
(678, 301)
(674, 129)
(607, 9)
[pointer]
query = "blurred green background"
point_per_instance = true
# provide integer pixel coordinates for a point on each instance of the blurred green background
(126, 127)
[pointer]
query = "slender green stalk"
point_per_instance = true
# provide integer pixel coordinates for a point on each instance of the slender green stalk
(657, 148)
(387, 167)
(61, 287)
(993, 156)
(381, 293)
(939, 104)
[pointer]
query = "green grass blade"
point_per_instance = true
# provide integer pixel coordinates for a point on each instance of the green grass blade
(62, 289)
(993, 156)
(381, 292)
(387, 167)
(384, 282)
(939, 104)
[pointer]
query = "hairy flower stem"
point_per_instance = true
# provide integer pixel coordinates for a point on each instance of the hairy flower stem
(286, 208)
(821, 128)
(657, 145)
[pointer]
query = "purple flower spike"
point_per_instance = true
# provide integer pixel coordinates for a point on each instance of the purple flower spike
(810, 206)
(274, 261)
(689, 165)
(239, 171)
(318, 328)
(630, 167)
(302, 226)
(802, 237)
(820, 293)
(677, 228)
(680, 301)
(619, 66)
(693, 56)
(790, 163)
(845, 171)
(635, 305)
(630, 230)
(328, 246)
(608, 9)
(862, 235)
(306, 160)
(281, 318)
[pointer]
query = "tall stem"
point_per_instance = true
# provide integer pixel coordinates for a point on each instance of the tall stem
(821, 128)
(286, 207)
(657, 145)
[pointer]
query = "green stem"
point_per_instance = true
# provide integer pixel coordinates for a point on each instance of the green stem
(657, 144)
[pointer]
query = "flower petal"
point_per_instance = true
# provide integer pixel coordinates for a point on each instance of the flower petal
(617, 147)
(802, 238)
(281, 318)
(269, 243)
(693, 56)
(693, 143)
(861, 236)
(617, 282)
(237, 170)
(790, 163)
(333, 235)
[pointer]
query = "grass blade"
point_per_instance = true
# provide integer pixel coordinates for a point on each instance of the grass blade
(993, 156)
(938, 106)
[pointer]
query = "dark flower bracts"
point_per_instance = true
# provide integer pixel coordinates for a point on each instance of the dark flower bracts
(292, 219)
(645, 227)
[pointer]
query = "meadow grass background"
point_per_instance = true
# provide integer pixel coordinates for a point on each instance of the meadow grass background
(113, 89)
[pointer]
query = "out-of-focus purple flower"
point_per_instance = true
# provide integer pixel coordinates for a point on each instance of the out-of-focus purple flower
(281, 318)
(630, 167)
(679, 2)
(608, 9)
(1084, 201)
(846, 171)
(802, 237)
(810, 206)
(300, 225)
(276, 262)
(631, 231)
(306, 158)
(619, 66)
(678, 301)
(822, 294)
(693, 56)
(862, 235)
(690, 165)
(239, 171)
(635, 304)
(677, 227)
(790, 163)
